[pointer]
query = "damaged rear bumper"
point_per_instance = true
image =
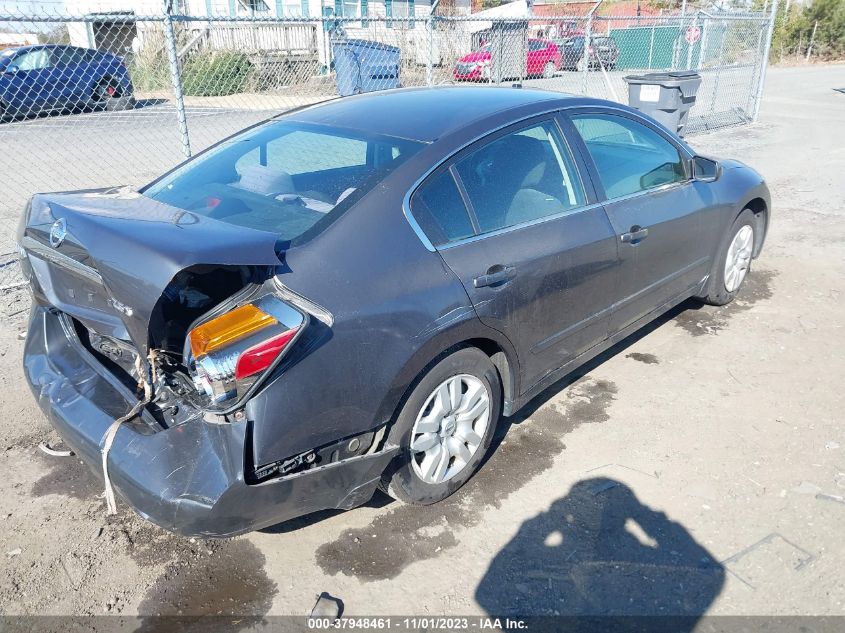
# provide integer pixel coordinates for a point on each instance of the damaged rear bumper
(188, 478)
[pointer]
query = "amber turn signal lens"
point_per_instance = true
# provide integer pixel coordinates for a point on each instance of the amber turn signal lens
(228, 328)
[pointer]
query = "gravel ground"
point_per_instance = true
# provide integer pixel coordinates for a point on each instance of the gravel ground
(699, 467)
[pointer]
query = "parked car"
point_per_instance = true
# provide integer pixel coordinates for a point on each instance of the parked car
(603, 51)
(351, 295)
(36, 79)
(542, 59)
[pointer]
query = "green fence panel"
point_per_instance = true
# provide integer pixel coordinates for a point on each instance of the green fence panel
(646, 47)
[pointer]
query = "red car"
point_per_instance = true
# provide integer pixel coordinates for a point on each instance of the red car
(543, 59)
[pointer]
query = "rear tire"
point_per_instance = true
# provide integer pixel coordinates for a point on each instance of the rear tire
(733, 261)
(434, 462)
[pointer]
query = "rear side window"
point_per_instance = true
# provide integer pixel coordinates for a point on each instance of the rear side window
(289, 178)
(629, 156)
(523, 176)
(66, 56)
(440, 211)
(520, 177)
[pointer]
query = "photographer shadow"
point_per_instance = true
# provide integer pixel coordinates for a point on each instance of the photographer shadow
(599, 551)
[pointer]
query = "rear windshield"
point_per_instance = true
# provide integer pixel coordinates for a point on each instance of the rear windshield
(289, 178)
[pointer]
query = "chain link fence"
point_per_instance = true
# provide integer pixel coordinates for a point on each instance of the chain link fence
(119, 97)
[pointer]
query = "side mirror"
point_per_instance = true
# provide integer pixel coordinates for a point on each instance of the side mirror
(11, 69)
(705, 169)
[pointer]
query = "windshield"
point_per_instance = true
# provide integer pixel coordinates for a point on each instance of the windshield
(291, 179)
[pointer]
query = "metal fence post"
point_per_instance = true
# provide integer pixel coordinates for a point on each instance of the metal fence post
(718, 69)
(588, 38)
(691, 45)
(765, 61)
(176, 77)
(702, 43)
(651, 45)
(429, 61)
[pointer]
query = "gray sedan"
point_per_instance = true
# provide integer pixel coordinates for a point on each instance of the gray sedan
(352, 295)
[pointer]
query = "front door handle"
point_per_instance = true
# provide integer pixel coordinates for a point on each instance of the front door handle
(636, 234)
(495, 275)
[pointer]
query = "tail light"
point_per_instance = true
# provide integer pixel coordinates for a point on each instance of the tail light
(228, 354)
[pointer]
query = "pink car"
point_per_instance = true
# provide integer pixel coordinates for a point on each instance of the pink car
(543, 60)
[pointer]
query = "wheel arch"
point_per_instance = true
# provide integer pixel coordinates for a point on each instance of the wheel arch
(760, 208)
(470, 333)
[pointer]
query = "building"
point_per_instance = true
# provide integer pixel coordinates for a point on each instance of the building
(108, 24)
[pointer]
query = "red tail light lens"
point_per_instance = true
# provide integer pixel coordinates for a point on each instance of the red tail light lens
(259, 357)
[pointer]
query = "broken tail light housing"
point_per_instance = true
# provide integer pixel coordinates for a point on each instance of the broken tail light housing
(227, 354)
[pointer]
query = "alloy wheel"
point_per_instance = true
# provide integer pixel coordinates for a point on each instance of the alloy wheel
(738, 258)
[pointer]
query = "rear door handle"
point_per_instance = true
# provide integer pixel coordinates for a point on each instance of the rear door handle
(497, 274)
(636, 234)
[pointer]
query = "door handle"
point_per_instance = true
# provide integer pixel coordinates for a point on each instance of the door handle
(635, 235)
(497, 274)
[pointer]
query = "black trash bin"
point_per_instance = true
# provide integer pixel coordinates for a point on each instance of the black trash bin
(364, 66)
(666, 97)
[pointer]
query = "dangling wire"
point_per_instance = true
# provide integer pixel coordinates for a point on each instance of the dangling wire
(111, 432)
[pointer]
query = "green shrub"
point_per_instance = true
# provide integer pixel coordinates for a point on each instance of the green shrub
(150, 70)
(215, 74)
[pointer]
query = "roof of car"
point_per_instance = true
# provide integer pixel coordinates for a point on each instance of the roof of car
(423, 114)
(30, 47)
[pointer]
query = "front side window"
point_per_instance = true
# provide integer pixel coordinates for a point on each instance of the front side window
(34, 60)
(284, 177)
(520, 177)
(629, 156)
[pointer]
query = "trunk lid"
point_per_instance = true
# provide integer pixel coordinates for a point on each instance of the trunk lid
(106, 256)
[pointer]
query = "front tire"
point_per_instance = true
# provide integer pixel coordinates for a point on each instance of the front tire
(444, 428)
(549, 70)
(733, 261)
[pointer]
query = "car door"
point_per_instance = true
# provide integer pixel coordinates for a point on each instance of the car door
(31, 84)
(656, 210)
(69, 72)
(513, 219)
(536, 57)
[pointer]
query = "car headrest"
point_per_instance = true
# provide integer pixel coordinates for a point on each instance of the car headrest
(528, 171)
(265, 180)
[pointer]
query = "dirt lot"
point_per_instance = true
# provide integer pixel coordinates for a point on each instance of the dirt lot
(699, 467)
